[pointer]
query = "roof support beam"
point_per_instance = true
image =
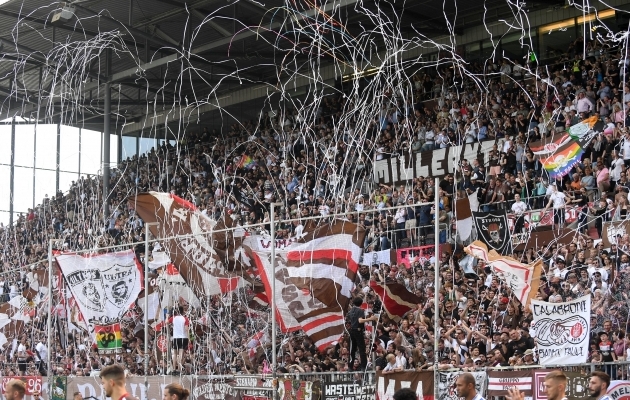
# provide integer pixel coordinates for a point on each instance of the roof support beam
(212, 24)
(134, 72)
(171, 13)
(82, 31)
(132, 30)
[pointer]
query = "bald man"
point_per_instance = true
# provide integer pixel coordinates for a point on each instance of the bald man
(466, 387)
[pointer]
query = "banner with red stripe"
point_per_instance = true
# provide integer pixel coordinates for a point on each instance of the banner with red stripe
(314, 278)
(203, 257)
(396, 299)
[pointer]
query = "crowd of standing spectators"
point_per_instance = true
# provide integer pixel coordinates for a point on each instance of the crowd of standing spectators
(321, 172)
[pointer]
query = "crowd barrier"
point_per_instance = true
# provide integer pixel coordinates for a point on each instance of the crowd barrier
(490, 382)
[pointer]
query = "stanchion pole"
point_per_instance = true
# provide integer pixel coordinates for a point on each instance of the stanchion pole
(146, 302)
(274, 361)
(436, 283)
(50, 307)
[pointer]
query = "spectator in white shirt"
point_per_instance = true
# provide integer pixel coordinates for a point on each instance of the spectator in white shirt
(518, 208)
(558, 200)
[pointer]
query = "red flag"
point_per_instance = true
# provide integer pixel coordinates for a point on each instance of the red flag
(396, 299)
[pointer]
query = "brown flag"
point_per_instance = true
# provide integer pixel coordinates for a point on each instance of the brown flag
(314, 277)
(189, 237)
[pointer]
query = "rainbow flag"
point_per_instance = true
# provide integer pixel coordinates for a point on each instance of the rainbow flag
(561, 161)
(246, 162)
(108, 338)
(545, 147)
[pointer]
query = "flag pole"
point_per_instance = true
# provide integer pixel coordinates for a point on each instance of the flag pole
(146, 301)
(274, 360)
(436, 283)
(50, 306)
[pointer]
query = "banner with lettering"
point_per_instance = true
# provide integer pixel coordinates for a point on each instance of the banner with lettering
(420, 382)
(33, 384)
(350, 390)
(499, 382)
(252, 388)
(577, 385)
(561, 331)
(222, 389)
(446, 384)
(619, 390)
(103, 285)
(90, 386)
(436, 163)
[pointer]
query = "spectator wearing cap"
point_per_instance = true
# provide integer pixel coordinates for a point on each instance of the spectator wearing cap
(528, 357)
(560, 267)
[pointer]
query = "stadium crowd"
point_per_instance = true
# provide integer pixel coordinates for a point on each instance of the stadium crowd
(257, 163)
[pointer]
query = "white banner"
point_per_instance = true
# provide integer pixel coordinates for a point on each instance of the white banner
(103, 285)
(376, 257)
(518, 276)
(562, 331)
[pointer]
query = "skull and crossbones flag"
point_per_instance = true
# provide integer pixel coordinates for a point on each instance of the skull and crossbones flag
(492, 229)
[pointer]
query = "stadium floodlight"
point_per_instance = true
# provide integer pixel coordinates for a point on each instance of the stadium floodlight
(62, 16)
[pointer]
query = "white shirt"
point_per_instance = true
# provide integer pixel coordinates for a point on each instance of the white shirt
(625, 149)
(400, 216)
(21, 351)
(558, 199)
(519, 208)
(180, 326)
(42, 350)
(616, 169)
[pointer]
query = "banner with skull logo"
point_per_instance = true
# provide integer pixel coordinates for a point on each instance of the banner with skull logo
(104, 285)
(613, 231)
(492, 229)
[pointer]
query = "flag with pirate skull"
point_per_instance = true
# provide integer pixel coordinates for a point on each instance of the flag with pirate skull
(104, 285)
(492, 229)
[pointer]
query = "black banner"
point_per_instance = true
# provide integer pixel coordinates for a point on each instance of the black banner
(349, 390)
(493, 230)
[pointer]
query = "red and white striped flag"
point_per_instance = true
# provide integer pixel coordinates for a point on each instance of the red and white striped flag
(190, 241)
(314, 276)
(499, 382)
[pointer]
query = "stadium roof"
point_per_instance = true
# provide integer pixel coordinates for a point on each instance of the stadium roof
(173, 52)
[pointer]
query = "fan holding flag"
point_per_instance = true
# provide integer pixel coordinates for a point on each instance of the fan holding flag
(356, 319)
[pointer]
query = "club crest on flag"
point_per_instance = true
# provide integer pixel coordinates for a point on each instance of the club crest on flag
(551, 332)
(90, 284)
(493, 230)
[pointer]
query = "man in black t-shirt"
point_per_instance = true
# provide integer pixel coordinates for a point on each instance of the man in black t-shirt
(356, 319)
(517, 342)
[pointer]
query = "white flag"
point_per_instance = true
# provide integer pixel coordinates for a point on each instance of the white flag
(103, 285)
(562, 331)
